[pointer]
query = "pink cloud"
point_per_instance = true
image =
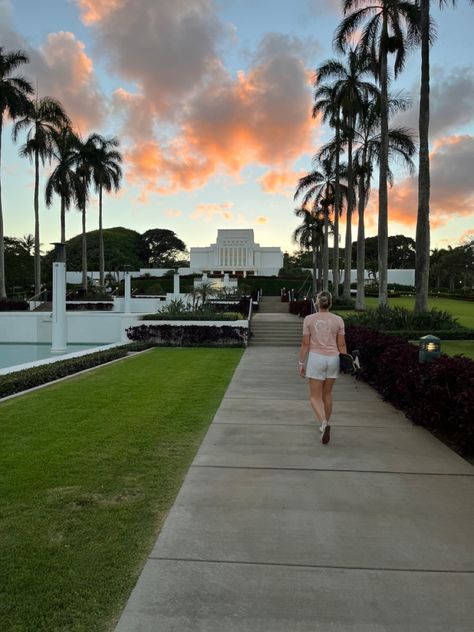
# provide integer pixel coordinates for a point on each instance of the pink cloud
(209, 211)
(283, 182)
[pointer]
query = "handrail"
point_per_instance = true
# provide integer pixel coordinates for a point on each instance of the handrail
(37, 296)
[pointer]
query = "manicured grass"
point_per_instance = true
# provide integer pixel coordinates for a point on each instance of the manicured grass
(462, 310)
(88, 470)
(457, 347)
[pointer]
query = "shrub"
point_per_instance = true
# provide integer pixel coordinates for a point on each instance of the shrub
(90, 307)
(13, 305)
(227, 316)
(438, 396)
(393, 318)
(35, 376)
(190, 335)
(300, 308)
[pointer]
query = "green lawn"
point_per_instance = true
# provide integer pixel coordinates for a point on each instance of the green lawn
(88, 469)
(458, 347)
(462, 310)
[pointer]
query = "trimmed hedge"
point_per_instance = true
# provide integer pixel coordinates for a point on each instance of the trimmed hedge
(438, 396)
(13, 305)
(227, 316)
(89, 307)
(443, 334)
(190, 335)
(18, 381)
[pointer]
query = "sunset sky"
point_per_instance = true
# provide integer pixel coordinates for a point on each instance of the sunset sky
(211, 101)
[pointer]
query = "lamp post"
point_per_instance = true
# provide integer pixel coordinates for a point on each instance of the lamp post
(430, 349)
(59, 320)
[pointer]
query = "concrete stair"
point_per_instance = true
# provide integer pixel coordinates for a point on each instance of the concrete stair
(273, 326)
(47, 306)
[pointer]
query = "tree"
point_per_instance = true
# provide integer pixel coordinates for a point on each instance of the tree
(163, 247)
(14, 91)
(310, 236)
(351, 93)
(422, 265)
(106, 175)
(42, 118)
(64, 181)
(320, 190)
(18, 264)
(401, 148)
(392, 26)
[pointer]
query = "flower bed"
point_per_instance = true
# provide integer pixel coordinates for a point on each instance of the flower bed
(190, 335)
(438, 396)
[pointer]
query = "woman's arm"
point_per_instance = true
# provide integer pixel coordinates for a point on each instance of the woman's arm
(303, 353)
(341, 343)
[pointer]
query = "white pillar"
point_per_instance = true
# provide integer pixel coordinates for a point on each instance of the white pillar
(176, 284)
(204, 278)
(127, 301)
(59, 323)
(226, 279)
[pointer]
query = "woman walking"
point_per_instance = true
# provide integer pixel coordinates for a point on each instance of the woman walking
(323, 341)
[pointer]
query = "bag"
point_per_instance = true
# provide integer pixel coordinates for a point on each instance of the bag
(348, 363)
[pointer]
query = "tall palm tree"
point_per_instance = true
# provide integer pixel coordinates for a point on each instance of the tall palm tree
(14, 91)
(309, 235)
(64, 180)
(351, 92)
(106, 175)
(422, 260)
(320, 187)
(326, 103)
(391, 26)
(42, 118)
(368, 138)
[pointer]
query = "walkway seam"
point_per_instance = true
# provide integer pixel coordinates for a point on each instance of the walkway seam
(321, 469)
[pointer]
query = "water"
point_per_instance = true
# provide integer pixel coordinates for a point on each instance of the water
(22, 353)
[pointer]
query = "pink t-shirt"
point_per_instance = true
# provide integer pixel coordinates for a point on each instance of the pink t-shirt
(323, 328)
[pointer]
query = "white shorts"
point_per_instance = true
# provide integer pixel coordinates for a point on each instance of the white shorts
(322, 367)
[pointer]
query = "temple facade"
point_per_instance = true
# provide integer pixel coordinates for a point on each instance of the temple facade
(236, 252)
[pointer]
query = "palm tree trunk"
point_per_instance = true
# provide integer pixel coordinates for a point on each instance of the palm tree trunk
(315, 267)
(101, 242)
(383, 194)
(63, 220)
(3, 290)
(37, 229)
(337, 202)
(326, 247)
(360, 299)
(84, 239)
(422, 261)
(350, 198)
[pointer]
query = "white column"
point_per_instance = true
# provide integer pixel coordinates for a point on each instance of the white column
(59, 323)
(127, 300)
(176, 284)
(226, 279)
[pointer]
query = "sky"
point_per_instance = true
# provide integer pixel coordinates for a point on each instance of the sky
(211, 101)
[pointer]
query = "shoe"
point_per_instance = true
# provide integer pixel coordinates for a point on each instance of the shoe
(321, 429)
(326, 434)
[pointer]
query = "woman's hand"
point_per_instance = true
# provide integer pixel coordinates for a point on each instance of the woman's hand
(301, 369)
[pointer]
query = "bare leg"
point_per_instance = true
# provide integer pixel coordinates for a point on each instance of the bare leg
(327, 397)
(316, 398)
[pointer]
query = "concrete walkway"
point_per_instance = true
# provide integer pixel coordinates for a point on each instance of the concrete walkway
(274, 532)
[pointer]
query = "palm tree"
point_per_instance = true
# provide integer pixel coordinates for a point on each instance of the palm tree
(64, 180)
(351, 91)
(42, 118)
(14, 93)
(392, 26)
(310, 236)
(401, 148)
(422, 260)
(326, 103)
(320, 187)
(106, 174)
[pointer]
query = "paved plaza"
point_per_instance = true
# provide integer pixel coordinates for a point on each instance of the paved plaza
(274, 532)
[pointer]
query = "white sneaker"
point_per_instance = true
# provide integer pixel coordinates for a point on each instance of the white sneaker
(322, 426)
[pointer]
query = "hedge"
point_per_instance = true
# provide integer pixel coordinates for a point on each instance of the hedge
(438, 396)
(18, 381)
(13, 305)
(90, 307)
(443, 334)
(189, 316)
(190, 335)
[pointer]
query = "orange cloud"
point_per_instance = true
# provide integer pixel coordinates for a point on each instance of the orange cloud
(283, 182)
(208, 211)
(262, 220)
(172, 213)
(93, 11)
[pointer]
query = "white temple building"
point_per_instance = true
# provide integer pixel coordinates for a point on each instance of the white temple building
(236, 252)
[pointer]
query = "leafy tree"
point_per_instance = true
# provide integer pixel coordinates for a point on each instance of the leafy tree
(163, 247)
(42, 118)
(14, 91)
(390, 26)
(18, 265)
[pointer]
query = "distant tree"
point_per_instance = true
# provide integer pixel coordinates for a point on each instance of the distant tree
(18, 266)
(14, 92)
(163, 247)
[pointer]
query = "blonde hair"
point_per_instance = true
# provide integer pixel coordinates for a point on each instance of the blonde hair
(324, 300)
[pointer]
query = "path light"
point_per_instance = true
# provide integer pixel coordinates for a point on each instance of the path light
(430, 348)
